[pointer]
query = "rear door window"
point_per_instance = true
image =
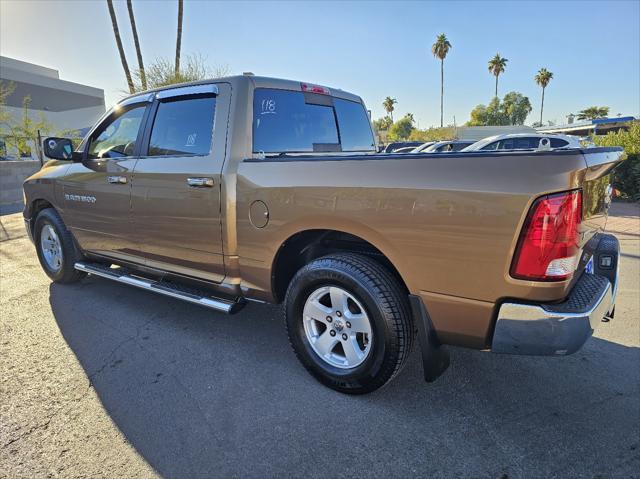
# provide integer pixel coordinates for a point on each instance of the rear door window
(183, 127)
(296, 122)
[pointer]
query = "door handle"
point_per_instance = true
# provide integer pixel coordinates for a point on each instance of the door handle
(117, 179)
(200, 182)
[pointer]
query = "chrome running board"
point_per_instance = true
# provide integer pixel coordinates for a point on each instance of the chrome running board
(173, 290)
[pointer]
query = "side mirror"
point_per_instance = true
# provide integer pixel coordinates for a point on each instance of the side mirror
(59, 149)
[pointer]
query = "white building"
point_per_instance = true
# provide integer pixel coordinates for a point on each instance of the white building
(64, 104)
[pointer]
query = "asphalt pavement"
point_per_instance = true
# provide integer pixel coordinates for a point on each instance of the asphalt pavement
(101, 380)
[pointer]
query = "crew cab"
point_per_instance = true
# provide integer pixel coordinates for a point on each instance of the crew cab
(253, 188)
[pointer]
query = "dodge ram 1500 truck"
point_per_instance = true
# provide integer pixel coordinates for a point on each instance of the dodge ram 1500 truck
(252, 188)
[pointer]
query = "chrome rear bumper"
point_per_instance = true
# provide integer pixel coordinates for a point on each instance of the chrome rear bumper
(560, 329)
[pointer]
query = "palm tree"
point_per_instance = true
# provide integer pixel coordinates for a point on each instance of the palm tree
(440, 49)
(123, 59)
(179, 38)
(143, 76)
(593, 112)
(388, 106)
(496, 66)
(543, 78)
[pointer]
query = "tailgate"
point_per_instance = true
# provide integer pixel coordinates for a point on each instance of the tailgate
(597, 190)
(597, 193)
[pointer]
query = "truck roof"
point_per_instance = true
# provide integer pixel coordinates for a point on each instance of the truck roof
(256, 81)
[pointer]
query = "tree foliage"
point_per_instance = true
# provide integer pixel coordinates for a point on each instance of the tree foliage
(593, 112)
(21, 133)
(401, 129)
(542, 78)
(433, 134)
(512, 110)
(441, 47)
(388, 105)
(162, 72)
(626, 177)
(496, 67)
(516, 107)
(383, 124)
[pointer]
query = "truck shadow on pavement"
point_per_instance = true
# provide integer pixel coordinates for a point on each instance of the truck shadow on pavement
(201, 394)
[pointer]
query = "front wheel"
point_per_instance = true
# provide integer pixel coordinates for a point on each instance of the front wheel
(56, 249)
(349, 322)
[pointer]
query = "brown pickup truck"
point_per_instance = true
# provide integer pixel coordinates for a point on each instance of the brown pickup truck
(251, 188)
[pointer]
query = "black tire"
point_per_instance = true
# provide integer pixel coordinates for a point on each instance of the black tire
(70, 254)
(386, 303)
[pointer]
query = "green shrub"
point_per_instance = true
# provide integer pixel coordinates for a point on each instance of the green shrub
(626, 177)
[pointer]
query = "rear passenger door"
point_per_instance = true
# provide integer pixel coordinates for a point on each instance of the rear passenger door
(176, 186)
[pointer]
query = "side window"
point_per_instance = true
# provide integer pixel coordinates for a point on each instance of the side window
(116, 137)
(526, 143)
(506, 144)
(558, 143)
(491, 146)
(183, 126)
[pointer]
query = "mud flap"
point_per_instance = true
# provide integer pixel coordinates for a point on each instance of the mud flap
(435, 359)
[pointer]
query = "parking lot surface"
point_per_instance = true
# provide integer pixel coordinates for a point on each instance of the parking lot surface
(101, 380)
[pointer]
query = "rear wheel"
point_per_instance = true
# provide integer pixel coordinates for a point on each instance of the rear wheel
(56, 249)
(349, 322)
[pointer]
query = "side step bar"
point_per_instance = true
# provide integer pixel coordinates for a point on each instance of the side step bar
(173, 290)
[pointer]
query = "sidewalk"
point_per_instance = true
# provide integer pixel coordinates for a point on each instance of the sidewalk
(624, 220)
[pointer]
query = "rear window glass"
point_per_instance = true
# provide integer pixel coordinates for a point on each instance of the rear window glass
(284, 122)
(355, 130)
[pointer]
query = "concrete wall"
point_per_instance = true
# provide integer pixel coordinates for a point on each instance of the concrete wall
(12, 175)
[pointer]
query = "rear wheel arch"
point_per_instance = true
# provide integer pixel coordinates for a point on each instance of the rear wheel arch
(305, 246)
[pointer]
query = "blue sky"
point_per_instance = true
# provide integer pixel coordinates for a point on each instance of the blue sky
(374, 49)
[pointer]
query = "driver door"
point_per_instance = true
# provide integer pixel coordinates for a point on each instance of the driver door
(97, 192)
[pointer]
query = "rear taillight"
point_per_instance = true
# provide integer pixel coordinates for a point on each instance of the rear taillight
(548, 248)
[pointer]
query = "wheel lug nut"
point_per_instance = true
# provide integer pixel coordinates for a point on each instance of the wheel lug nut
(332, 332)
(344, 336)
(338, 313)
(348, 324)
(329, 319)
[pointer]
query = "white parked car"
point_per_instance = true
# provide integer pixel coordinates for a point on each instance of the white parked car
(445, 146)
(422, 147)
(526, 141)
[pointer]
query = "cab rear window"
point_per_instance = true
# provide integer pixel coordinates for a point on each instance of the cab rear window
(299, 122)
